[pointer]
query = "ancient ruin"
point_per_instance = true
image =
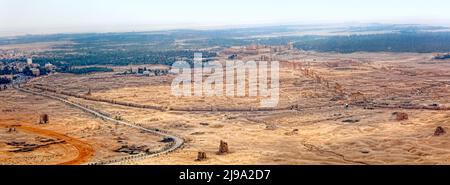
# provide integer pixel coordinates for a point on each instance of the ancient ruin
(439, 131)
(223, 147)
(400, 116)
(201, 156)
(44, 119)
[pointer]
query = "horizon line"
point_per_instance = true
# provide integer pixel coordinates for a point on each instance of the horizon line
(121, 28)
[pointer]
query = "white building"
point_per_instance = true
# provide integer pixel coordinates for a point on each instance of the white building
(35, 72)
(146, 73)
(49, 66)
(29, 61)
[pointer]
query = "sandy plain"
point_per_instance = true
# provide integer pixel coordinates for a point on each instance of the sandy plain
(317, 129)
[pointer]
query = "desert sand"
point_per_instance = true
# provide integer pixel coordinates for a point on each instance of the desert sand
(312, 126)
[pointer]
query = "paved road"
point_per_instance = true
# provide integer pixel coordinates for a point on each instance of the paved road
(177, 141)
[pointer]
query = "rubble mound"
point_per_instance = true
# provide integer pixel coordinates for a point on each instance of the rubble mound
(400, 116)
(351, 120)
(167, 140)
(204, 124)
(291, 133)
(271, 127)
(133, 149)
(22, 146)
(439, 131)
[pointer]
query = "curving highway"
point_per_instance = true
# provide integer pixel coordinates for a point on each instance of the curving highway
(177, 141)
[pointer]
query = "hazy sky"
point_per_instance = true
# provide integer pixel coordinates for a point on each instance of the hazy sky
(41, 16)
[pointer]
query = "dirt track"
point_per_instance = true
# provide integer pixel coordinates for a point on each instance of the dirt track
(85, 150)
